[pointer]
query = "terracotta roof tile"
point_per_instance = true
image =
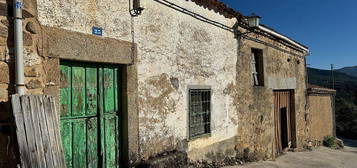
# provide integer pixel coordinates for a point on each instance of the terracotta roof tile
(319, 89)
(218, 7)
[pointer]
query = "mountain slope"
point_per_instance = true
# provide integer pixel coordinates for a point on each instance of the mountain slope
(323, 77)
(352, 71)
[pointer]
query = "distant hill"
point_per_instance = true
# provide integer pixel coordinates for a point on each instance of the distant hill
(352, 71)
(346, 98)
(323, 77)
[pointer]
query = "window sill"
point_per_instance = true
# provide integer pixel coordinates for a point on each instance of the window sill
(200, 136)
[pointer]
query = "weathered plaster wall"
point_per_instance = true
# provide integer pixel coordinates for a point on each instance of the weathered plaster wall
(82, 15)
(320, 117)
(175, 46)
(174, 51)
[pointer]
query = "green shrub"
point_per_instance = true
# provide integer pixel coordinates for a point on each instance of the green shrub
(329, 141)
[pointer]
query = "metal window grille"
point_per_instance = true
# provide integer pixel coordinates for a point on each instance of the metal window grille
(200, 112)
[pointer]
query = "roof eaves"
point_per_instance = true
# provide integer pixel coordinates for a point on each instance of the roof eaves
(314, 89)
(283, 37)
(219, 7)
(223, 9)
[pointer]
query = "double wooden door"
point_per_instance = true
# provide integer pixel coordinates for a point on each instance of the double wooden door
(89, 115)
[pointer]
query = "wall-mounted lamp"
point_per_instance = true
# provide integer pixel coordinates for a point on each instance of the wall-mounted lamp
(253, 22)
(135, 8)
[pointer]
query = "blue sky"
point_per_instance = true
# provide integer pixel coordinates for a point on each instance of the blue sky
(327, 27)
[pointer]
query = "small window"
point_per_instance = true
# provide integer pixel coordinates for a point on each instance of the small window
(257, 67)
(199, 112)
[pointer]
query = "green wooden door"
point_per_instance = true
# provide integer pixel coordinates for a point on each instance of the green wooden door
(89, 115)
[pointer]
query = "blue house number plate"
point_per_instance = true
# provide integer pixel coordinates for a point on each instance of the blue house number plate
(97, 31)
(18, 5)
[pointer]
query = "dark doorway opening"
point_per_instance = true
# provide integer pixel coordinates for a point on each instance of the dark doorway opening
(284, 128)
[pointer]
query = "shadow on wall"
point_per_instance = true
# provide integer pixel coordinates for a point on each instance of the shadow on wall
(350, 142)
(9, 155)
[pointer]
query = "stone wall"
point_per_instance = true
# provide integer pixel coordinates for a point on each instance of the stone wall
(255, 104)
(321, 117)
(35, 74)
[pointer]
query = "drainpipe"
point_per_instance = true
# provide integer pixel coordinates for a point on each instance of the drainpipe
(18, 40)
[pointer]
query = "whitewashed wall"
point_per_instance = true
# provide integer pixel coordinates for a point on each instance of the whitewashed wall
(170, 45)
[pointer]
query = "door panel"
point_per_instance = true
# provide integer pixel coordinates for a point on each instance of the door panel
(91, 90)
(110, 116)
(66, 134)
(89, 115)
(78, 91)
(92, 143)
(79, 143)
(110, 123)
(109, 96)
(65, 90)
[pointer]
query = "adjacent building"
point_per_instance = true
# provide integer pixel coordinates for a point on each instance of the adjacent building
(321, 108)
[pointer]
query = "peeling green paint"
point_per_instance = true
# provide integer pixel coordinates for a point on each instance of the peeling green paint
(89, 115)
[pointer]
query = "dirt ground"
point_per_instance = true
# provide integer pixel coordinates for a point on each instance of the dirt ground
(318, 158)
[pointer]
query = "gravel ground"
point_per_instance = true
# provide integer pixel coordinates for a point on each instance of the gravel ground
(318, 158)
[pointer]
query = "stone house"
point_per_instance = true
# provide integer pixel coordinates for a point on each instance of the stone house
(180, 80)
